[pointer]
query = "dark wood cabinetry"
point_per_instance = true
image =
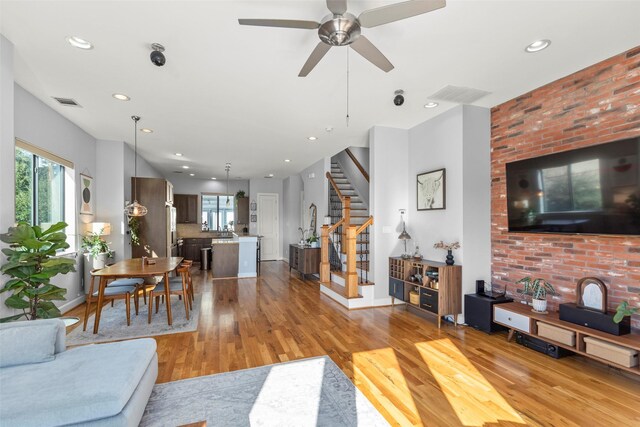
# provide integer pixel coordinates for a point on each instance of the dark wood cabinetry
(242, 211)
(436, 287)
(186, 208)
(304, 259)
(154, 227)
(191, 248)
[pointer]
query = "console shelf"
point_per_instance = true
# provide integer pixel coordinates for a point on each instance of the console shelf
(517, 316)
(439, 286)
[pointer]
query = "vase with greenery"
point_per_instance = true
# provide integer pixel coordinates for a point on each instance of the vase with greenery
(97, 249)
(313, 241)
(538, 289)
(240, 194)
(32, 262)
(134, 230)
(623, 310)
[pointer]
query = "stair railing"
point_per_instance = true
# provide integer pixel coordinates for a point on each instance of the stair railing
(325, 266)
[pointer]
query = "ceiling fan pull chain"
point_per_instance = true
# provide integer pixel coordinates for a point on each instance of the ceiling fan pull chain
(347, 118)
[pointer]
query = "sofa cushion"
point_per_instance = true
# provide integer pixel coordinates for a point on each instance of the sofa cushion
(27, 342)
(82, 384)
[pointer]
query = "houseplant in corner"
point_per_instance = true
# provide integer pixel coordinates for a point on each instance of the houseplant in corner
(538, 289)
(31, 264)
(97, 250)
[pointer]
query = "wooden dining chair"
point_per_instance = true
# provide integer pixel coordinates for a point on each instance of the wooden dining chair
(121, 290)
(175, 288)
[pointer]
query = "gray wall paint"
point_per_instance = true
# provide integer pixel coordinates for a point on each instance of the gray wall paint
(7, 156)
(110, 194)
(43, 127)
(316, 189)
(291, 199)
(353, 174)
(388, 147)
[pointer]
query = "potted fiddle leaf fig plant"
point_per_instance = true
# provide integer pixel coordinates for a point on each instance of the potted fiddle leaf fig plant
(538, 289)
(32, 262)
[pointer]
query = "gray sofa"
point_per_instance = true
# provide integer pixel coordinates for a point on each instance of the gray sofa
(43, 384)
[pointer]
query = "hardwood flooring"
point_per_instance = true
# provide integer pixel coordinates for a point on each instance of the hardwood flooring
(412, 372)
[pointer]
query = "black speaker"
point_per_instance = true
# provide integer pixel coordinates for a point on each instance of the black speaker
(542, 346)
(480, 287)
(569, 312)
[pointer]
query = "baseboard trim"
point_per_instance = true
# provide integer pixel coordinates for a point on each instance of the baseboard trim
(70, 305)
(245, 275)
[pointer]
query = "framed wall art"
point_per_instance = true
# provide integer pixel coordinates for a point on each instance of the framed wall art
(591, 293)
(431, 190)
(86, 195)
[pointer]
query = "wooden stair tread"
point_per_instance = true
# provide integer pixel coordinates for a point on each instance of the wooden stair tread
(338, 289)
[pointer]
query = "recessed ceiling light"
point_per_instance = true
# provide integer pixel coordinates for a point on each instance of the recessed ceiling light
(179, 154)
(192, 174)
(271, 175)
(121, 96)
(287, 160)
(328, 128)
(213, 178)
(537, 46)
(79, 43)
(185, 167)
(146, 130)
(312, 138)
(431, 105)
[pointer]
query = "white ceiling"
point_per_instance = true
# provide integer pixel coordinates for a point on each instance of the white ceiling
(231, 92)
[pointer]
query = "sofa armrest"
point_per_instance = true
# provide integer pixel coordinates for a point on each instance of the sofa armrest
(31, 341)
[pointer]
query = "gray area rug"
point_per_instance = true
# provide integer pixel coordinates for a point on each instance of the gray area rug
(113, 322)
(307, 392)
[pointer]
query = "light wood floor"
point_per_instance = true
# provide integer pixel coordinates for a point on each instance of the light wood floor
(412, 372)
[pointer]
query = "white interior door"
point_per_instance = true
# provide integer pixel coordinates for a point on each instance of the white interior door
(268, 226)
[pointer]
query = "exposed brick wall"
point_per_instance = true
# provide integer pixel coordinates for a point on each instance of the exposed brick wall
(596, 105)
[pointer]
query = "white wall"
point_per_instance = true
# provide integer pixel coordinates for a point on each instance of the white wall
(268, 185)
(388, 157)
(110, 195)
(39, 125)
(316, 190)
(291, 198)
(457, 140)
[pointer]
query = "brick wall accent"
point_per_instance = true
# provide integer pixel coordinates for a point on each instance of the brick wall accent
(598, 104)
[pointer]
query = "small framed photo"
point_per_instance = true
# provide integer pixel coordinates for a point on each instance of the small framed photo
(431, 190)
(591, 293)
(254, 218)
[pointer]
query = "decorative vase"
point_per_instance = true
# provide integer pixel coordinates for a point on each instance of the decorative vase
(539, 305)
(449, 257)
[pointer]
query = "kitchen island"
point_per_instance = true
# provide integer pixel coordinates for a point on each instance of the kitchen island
(234, 257)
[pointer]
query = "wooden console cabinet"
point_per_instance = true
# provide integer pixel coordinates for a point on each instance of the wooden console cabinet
(439, 290)
(519, 317)
(304, 259)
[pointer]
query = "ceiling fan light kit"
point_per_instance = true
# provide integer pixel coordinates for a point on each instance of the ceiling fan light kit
(340, 28)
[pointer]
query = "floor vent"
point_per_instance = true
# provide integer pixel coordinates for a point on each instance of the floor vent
(459, 95)
(69, 102)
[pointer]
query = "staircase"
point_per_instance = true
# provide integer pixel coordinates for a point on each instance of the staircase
(350, 219)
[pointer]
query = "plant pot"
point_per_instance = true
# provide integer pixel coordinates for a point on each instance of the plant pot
(93, 263)
(315, 244)
(539, 305)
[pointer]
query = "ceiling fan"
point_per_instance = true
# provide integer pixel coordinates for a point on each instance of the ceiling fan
(341, 28)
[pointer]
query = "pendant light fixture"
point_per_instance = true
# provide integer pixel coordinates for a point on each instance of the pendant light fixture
(227, 168)
(135, 208)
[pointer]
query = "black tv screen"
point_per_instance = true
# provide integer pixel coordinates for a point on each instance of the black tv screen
(592, 190)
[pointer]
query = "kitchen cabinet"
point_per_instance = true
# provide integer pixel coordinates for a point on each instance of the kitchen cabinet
(191, 247)
(242, 211)
(186, 208)
(154, 227)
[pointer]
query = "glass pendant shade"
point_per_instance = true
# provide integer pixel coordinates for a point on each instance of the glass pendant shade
(135, 208)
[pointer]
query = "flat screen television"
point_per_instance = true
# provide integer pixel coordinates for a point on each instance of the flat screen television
(591, 190)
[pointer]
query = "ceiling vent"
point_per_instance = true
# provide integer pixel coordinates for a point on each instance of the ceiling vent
(69, 102)
(459, 95)
(177, 171)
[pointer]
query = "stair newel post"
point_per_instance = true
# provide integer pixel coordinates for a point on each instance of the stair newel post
(351, 282)
(325, 271)
(346, 214)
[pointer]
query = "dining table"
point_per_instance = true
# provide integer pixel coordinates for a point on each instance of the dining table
(136, 268)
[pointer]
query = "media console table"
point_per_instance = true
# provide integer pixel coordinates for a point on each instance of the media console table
(519, 317)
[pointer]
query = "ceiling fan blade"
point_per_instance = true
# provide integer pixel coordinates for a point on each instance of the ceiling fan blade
(283, 23)
(337, 7)
(315, 57)
(395, 12)
(364, 47)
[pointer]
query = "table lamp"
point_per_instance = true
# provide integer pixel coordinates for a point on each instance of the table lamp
(100, 228)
